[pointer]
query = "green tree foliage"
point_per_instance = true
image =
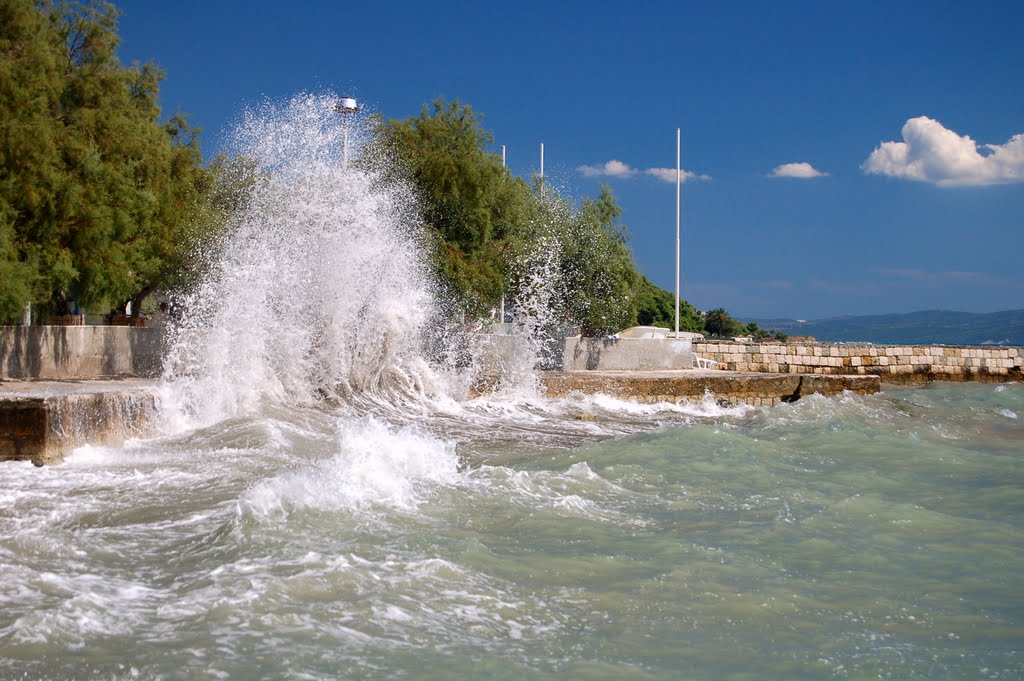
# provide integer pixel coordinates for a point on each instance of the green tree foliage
(473, 206)
(598, 276)
(718, 323)
(754, 330)
(98, 198)
(487, 223)
(657, 307)
(16, 277)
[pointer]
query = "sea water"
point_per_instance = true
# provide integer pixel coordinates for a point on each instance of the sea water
(849, 537)
(327, 499)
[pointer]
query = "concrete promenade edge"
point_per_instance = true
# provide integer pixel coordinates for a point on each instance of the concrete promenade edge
(41, 421)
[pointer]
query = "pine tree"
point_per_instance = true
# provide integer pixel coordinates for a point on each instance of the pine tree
(98, 198)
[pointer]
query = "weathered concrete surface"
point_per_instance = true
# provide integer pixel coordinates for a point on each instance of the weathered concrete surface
(726, 387)
(79, 352)
(627, 354)
(41, 421)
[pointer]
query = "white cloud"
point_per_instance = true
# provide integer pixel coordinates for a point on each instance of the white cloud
(669, 175)
(613, 168)
(616, 168)
(799, 170)
(931, 153)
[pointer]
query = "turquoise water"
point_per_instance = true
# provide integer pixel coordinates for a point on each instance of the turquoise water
(851, 537)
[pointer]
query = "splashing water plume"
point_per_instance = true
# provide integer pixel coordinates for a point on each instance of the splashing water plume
(320, 296)
(320, 290)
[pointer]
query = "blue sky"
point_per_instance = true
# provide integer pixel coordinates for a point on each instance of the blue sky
(838, 148)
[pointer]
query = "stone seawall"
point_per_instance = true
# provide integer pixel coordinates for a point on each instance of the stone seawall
(891, 363)
(79, 352)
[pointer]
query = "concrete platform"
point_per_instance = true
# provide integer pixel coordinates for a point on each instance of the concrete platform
(40, 421)
(692, 385)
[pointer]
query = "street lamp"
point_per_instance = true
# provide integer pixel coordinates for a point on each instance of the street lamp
(346, 106)
(542, 170)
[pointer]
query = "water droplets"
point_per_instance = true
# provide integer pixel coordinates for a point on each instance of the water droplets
(320, 289)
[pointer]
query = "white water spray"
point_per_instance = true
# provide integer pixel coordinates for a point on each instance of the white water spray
(321, 290)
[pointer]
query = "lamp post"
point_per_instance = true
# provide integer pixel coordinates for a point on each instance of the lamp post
(346, 106)
(542, 170)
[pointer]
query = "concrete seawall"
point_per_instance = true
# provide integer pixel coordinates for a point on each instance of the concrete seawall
(627, 354)
(79, 352)
(495, 352)
(891, 363)
(56, 391)
(41, 420)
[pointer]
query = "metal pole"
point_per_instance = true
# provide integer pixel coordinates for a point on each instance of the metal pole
(679, 179)
(542, 169)
(346, 106)
(501, 320)
(344, 144)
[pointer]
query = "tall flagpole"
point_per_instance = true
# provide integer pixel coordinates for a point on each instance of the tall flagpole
(501, 312)
(679, 178)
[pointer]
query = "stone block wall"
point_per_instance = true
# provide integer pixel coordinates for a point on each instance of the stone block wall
(892, 363)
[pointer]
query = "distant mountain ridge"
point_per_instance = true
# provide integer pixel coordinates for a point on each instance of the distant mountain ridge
(929, 327)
